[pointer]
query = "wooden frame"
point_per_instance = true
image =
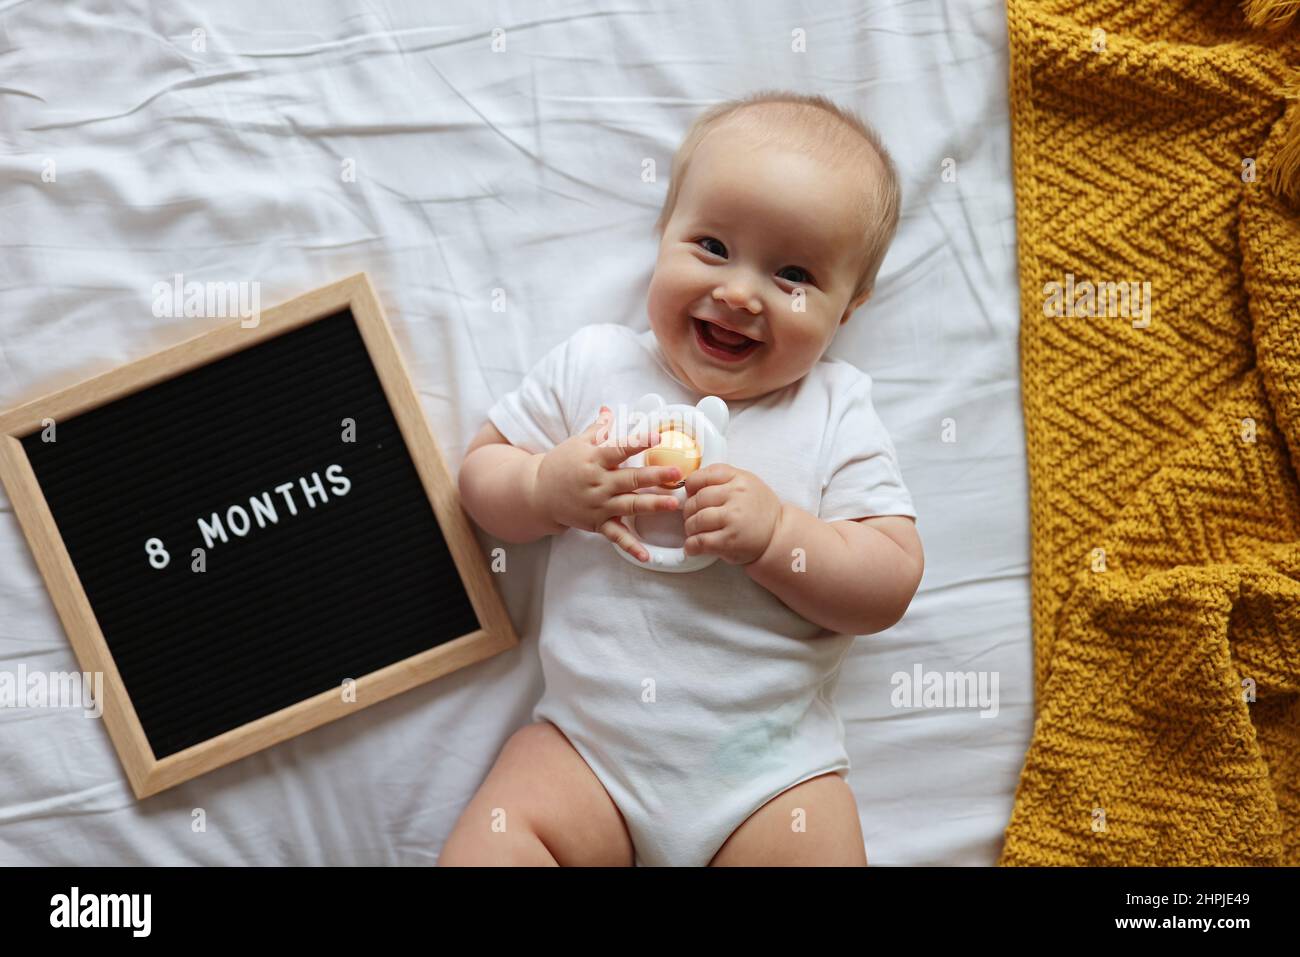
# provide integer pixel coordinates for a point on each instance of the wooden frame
(146, 773)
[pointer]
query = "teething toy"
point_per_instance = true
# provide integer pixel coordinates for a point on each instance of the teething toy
(675, 449)
(690, 438)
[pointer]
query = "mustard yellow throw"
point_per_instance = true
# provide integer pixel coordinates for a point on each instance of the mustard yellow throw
(1156, 152)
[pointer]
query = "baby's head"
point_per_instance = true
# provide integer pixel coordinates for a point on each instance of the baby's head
(780, 209)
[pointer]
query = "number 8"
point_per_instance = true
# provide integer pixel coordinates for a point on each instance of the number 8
(158, 556)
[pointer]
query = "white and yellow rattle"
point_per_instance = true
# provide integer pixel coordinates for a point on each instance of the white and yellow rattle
(690, 438)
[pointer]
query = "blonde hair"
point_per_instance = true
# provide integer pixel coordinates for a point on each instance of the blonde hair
(811, 124)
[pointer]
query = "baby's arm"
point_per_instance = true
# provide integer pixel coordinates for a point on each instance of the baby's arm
(498, 483)
(520, 497)
(855, 577)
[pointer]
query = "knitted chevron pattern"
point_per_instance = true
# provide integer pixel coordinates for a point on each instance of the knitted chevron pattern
(1154, 141)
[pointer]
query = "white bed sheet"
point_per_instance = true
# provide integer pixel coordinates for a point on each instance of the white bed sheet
(518, 170)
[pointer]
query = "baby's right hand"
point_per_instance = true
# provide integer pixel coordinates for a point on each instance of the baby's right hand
(580, 486)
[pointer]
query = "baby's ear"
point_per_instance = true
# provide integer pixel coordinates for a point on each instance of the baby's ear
(853, 306)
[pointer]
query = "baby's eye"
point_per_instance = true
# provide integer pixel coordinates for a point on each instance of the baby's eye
(720, 251)
(802, 274)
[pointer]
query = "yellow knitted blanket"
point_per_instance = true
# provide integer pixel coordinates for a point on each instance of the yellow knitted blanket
(1158, 142)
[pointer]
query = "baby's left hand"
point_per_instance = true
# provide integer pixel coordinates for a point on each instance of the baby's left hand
(730, 513)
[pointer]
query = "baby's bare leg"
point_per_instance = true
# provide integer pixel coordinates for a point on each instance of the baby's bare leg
(540, 805)
(826, 833)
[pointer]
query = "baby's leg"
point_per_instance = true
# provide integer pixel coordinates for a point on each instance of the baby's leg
(540, 805)
(826, 833)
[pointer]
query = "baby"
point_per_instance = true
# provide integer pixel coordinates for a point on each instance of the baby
(688, 718)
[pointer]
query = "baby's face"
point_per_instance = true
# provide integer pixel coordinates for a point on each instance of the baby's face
(752, 227)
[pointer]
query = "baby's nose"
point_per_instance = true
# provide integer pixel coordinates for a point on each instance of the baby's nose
(738, 296)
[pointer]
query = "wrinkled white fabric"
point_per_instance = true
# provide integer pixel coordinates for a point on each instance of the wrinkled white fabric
(498, 196)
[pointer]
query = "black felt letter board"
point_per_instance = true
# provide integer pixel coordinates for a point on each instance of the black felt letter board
(359, 578)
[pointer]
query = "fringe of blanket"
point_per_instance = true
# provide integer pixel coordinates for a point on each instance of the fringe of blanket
(1284, 176)
(1284, 173)
(1270, 14)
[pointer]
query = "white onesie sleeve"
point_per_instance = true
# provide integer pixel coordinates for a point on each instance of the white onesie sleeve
(860, 467)
(534, 416)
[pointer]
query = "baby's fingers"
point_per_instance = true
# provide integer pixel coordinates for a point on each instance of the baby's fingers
(648, 476)
(598, 431)
(617, 448)
(633, 504)
(618, 533)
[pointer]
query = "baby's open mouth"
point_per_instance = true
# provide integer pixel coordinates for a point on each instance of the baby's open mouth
(722, 341)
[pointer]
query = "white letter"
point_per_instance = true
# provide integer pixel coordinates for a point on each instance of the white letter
(263, 509)
(208, 531)
(143, 910)
(59, 916)
(252, 314)
(195, 297)
(901, 696)
(221, 296)
(990, 699)
(234, 526)
(335, 480)
(162, 300)
(284, 490)
(96, 694)
(1052, 300)
(317, 485)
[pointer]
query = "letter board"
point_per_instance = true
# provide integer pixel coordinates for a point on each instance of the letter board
(251, 533)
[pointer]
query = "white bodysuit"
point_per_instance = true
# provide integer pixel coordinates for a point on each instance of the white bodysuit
(697, 697)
